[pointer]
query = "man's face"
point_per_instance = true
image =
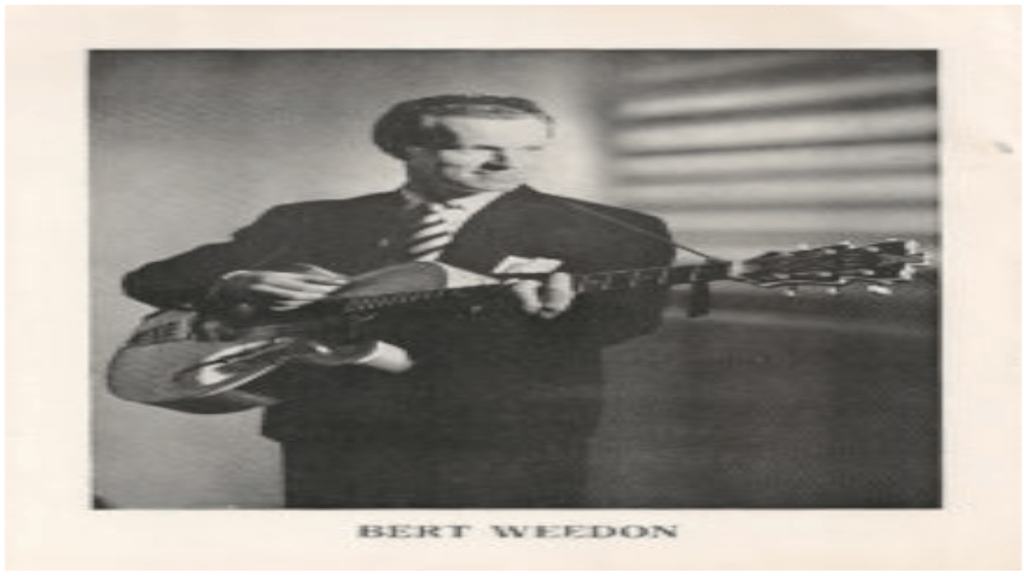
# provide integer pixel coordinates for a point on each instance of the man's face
(477, 155)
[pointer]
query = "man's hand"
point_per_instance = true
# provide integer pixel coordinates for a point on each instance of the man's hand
(281, 291)
(547, 299)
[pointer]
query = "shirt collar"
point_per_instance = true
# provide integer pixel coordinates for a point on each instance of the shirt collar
(471, 203)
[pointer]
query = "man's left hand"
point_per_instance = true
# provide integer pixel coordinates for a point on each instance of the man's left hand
(546, 299)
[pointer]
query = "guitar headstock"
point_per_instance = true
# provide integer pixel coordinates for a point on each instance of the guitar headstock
(878, 265)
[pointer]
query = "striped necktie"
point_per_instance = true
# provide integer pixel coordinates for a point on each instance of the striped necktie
(429, 233)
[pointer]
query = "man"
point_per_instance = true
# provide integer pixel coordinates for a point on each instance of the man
(500, 401)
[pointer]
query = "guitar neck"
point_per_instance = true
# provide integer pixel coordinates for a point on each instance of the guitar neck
(582, 283)
(643, 277)
(877, 265)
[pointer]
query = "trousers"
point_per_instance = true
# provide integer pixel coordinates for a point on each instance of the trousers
(413, 473)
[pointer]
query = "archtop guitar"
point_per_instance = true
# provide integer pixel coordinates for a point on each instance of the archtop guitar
(213, 362)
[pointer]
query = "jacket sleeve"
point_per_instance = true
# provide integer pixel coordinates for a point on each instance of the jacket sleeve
(184, 280)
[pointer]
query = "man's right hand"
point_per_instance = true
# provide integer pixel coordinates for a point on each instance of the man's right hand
(280, 291)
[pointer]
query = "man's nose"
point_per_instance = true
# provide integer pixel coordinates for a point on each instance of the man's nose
(500, 160)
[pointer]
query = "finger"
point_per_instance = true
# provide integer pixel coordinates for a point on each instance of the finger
(285, 305)
(325, 280)
(298, 284)
(315, 278)
(286, 293)
(556, 295)
(314, 270)
(527, 292)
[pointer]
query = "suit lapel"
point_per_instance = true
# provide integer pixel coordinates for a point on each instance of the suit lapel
(493, 233)
(357, 235)
(387, 229)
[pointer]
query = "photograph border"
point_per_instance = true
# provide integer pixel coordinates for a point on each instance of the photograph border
(51, 525)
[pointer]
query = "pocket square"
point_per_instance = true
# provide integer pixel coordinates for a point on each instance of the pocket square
(521, 265)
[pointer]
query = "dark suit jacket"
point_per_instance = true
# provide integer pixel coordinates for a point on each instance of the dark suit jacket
(500, 374)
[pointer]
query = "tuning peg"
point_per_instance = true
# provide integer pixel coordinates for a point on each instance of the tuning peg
(880, 290)
(790, 291)
(833, 291)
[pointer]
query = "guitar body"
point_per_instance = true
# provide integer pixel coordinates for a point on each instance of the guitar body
(167, 363)
(185, 361)
(405, 277)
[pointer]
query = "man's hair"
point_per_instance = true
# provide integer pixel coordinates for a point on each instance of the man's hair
(409, 123)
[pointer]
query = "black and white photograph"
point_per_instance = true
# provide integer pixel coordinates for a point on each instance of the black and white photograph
(516, 279)
(513, 287)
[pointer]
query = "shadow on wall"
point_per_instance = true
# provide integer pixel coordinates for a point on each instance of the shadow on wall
(746, 151)
(774, 401)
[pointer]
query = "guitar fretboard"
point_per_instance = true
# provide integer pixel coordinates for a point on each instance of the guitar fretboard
(582, 283)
